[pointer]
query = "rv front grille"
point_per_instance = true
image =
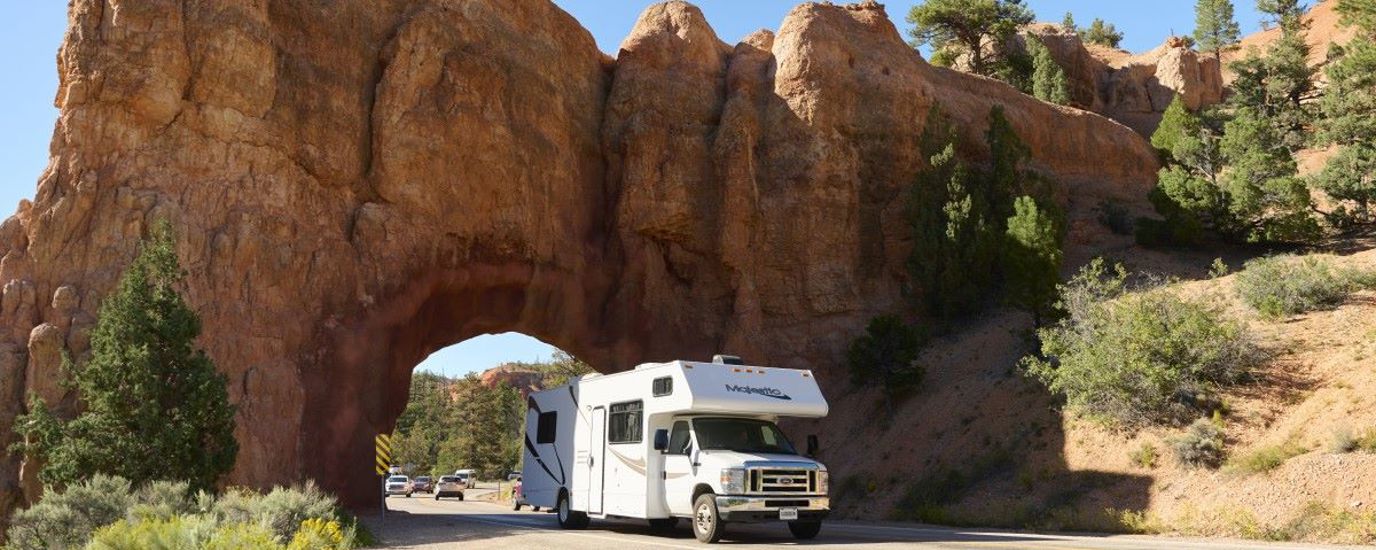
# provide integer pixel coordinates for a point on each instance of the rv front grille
(787, 503)
(783, 481)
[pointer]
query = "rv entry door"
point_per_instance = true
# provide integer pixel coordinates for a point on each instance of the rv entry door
(597, 452)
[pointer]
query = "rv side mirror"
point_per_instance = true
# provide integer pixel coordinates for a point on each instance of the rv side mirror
(661, 439)
(812, 445)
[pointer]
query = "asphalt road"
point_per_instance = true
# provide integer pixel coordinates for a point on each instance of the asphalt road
(423, 523)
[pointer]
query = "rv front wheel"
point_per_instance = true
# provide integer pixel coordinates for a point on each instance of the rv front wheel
(805, 530)
(707, 523)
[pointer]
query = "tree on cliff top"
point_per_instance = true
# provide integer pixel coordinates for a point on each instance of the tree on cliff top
(1214, 26)
(155, 407)
(967, 26)
(1101, 33)
(1048, 79)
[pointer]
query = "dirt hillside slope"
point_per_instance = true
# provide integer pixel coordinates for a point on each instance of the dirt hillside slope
(991, 443)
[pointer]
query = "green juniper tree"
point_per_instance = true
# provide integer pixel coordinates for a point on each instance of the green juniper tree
(1101, 33)
(1048, 79)
(885, 356)
(1214, 26)
(954, 248)
(1032, 257)
(1068, 23)
(967, 27)
(1349, 119)
(1188, 192)
(1282, 13)
(155, 408)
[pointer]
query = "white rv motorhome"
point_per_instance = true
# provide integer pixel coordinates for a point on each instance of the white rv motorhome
(677, 440)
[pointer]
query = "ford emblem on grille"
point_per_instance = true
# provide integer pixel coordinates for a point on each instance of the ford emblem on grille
(785, 481)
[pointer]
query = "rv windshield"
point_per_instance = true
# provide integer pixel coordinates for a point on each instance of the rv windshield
(743, 435)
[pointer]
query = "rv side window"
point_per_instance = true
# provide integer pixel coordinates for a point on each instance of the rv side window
(623, 424)
(544, 427)
(663, 386)
(679, 439)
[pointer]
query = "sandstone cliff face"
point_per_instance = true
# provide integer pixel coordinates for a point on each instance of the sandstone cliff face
(1134, 90)
(358, 184)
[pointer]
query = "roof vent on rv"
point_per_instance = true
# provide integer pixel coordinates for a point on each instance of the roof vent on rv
(727, 360)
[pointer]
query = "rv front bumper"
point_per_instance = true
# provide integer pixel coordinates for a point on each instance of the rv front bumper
(754, 509)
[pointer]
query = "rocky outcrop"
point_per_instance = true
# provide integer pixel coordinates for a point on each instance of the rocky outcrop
(1134, 90)
(358, 184)
(517, 376)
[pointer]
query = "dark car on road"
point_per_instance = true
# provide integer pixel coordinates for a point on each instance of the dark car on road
(423, 484)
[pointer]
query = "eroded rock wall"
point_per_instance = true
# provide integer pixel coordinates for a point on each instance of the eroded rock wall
(1132, 89)
(356, 185)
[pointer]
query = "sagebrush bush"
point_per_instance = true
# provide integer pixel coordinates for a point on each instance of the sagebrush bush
(1137, 358)
(108, 513)
(1280, 286)
(163, 499)
(1267, 458)
(1145, 456)
(68, 518)
(284, 509)
(318, 534)
(170, 533)
(1201, 445)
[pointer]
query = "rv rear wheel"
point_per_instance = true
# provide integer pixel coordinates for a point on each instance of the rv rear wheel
(567, 516)
(805, 530)
(707, 523)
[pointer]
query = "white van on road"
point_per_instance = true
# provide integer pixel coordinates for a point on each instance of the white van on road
(677, 440)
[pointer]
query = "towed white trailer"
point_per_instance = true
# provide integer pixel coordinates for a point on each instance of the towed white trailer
(676, 440)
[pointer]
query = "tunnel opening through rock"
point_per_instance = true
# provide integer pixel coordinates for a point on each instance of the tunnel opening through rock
(375, 358)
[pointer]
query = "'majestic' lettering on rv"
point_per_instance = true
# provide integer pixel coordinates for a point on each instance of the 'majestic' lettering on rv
(767, 392)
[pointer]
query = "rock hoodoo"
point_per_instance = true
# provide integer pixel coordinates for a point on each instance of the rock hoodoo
(1134, 90)
(358, 184)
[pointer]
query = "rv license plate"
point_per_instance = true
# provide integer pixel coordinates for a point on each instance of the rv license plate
(788, 514)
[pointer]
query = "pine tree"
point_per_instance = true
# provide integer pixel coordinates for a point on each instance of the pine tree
(954, 246)
(1176, 124)
(1032, 258)
(1214, 26)
(1285, 14)
(1188, 194)
(1277, 86)
(1101, 33)
(1359, 13)
(885, 356)
(967, 27)
(1048, 79)
(1267, 199)
(1349, 119)
(155, 407)
(1068, 23)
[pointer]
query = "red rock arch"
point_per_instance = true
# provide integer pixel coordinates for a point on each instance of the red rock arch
(359, 184)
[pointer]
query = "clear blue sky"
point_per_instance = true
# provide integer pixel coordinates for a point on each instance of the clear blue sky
(31, 31)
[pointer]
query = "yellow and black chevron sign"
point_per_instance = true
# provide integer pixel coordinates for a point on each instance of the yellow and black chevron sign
(383, 442)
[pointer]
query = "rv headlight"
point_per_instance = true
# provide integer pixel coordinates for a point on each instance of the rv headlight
(733, 481)
(823, 481)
